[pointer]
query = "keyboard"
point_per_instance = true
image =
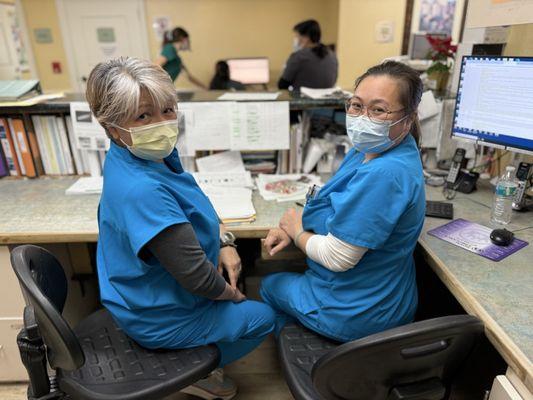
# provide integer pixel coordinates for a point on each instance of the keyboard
(439, 209)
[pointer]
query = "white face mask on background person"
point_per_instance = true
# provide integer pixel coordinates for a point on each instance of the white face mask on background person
(296, 44)
(368, 136)
(154, 141)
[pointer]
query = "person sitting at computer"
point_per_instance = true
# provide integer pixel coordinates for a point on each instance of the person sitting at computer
(159, 236)
(360, 229)
(312, 64)
(175, 41)
(222, 81)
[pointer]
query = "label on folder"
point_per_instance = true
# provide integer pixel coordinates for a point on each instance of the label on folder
(475, 238)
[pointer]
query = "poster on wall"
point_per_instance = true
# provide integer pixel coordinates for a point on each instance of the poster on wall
(484, 13)
(437, 16)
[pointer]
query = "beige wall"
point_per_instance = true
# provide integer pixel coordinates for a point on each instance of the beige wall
(239, 28)
(520, 41)
(357, 48)
(43, 14)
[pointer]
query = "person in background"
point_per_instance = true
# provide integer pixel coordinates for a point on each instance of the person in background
(160, 242)
(312, 64)
(360, 229)
(222, 81)
(175, 41)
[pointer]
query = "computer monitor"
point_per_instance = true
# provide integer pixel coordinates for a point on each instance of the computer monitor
(495, 102)
(419, 46)
(249, 71)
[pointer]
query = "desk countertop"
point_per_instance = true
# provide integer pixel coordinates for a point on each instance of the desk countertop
(38, 211)
(501, 294)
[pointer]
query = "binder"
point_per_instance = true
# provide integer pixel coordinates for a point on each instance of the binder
(34, 147)
(36, 119)
(18, 132)
(4, 171)
(13, 140)
(9, 149)
(65, 150)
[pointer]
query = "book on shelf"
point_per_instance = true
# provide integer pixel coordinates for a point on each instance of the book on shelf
(8, 148)
(22, 146)
(4, 171)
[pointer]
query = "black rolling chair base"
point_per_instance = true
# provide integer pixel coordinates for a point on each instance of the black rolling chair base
(96, 360)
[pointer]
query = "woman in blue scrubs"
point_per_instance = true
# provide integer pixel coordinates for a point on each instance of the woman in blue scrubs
(159, 237)
(359, 230)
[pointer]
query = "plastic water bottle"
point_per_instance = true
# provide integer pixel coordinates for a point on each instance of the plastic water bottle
(502, 207)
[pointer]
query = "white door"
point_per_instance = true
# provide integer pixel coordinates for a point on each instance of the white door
(99, 30)
(9, 59)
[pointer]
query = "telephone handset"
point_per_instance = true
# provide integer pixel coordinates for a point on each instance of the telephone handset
(455, 168)
(523, 175)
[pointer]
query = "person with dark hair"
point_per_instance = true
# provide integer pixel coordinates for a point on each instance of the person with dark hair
(222, 81)
(312, 64)
(175, 41)
(359, 230)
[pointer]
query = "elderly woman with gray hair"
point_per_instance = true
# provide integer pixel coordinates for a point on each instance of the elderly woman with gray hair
(160, 237)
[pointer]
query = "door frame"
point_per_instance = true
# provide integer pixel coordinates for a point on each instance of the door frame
(69, 45)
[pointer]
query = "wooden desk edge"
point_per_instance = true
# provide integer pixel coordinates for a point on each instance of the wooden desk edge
(241, 232)
(514, 357)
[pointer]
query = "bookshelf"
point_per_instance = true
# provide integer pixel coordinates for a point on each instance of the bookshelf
(38, 140)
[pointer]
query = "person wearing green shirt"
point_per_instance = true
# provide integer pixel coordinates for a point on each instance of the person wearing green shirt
(175, 41)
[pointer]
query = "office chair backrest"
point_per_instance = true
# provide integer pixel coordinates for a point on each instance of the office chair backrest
(44, 287)
(370, 367)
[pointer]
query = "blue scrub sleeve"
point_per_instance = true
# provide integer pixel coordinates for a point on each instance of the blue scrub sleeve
(367, 211)
(148, 211)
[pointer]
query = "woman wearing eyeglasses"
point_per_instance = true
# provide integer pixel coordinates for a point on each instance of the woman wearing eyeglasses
(359, 230)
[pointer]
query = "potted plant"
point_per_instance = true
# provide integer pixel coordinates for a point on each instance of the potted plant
(442, 53)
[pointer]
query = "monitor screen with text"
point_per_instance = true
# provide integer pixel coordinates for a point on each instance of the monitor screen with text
(495, 101)
(249, 71)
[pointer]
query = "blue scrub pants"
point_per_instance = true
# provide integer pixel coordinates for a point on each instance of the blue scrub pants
(279, 291)
(236, 328)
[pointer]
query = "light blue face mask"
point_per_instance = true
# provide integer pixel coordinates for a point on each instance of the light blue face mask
(368, 136)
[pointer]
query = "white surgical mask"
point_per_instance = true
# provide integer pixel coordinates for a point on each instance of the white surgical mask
(153, 142)
(368, 136)
(296, 44)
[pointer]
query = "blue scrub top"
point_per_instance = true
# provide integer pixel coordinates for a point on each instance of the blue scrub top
(379, 205)
(141, 198)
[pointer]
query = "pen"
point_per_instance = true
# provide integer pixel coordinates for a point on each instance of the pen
(300, 204)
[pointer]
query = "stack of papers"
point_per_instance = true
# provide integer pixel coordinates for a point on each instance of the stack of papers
(86, 185)
(290, 187)
(233, 206)
(230, 191)
(335, 92)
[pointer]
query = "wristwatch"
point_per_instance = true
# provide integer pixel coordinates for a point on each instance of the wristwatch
(227, 239)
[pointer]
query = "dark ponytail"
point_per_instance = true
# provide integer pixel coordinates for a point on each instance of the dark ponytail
(175, 35)
(410, 84)
(311, 29)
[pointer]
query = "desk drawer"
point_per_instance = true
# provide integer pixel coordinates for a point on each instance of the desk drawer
(502, 389)
(11, 367)
(9, 288)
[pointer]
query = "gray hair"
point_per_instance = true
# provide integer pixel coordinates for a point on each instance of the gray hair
(114, 89)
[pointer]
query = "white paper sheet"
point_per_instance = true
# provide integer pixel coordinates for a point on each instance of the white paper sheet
(207, 125)
(228, 161)
(87, 131)
(86, 185)
(260, 126)
(224, 179)
(428, 106)
(249, 96)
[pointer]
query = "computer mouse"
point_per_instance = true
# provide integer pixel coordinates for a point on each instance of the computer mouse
(501, 237)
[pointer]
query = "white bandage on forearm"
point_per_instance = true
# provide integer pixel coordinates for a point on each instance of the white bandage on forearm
(332, 253)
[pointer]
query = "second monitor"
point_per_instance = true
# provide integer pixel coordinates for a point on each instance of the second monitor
(249, 71)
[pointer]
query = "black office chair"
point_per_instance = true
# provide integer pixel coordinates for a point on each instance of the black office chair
(413, 362)
(96, 360)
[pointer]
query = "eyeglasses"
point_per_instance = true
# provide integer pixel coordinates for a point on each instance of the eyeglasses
(375, 113)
